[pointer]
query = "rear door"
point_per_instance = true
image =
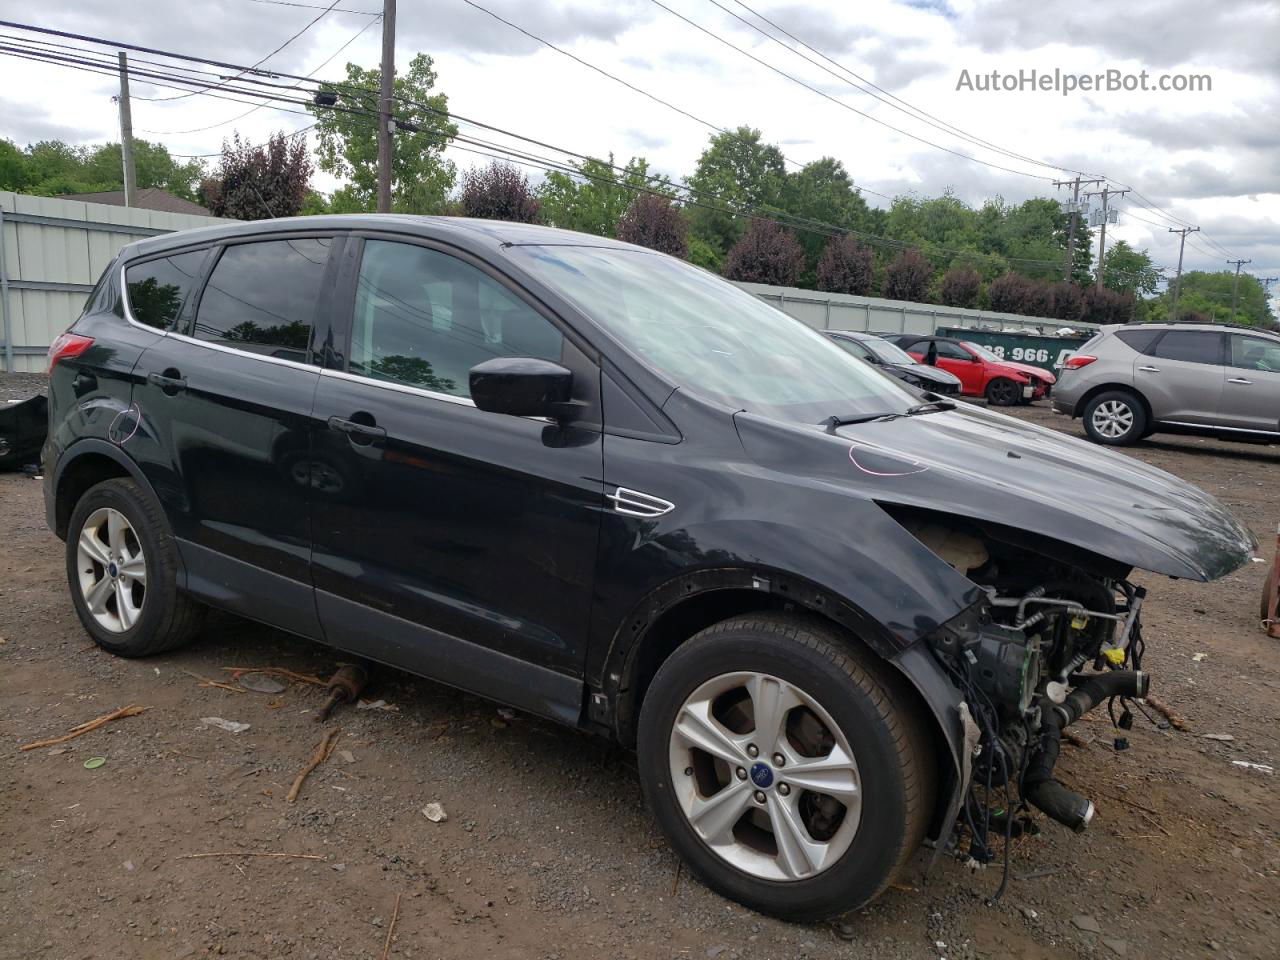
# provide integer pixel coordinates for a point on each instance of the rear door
(1181, 375)
(453, 542)
(225, 401)
(1251, 389)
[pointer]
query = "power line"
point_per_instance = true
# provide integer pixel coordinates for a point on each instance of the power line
(692, 197)
(316, 20)
(901, 106)
(841, 103)
(222, 123)
(319, 6)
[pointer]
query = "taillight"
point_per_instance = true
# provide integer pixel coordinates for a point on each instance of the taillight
(67, 345)
(1078, 361)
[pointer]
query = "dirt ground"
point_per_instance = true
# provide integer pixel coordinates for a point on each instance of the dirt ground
(548, 851)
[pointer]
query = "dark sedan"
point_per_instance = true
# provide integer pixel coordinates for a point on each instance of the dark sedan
(896, 362)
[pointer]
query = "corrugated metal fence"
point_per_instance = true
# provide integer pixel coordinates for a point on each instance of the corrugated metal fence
(841, 311)
(52, 252)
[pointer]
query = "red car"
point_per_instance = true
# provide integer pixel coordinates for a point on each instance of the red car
(982, 373)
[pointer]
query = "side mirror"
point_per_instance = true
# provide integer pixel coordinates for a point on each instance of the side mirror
(522, 387)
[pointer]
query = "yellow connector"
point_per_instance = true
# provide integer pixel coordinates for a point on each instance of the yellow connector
(1115, 656)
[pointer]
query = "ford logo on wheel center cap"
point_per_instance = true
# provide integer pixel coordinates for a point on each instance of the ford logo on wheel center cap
(761, 775)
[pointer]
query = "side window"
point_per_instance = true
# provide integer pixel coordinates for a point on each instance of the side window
(1255, 353)
(158, 288)
(1139, 340)
(261, 297)
(854, 347)
(424, 319)
(952, 351)
(1193, 346)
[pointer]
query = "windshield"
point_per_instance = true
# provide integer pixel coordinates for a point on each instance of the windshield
(982, 351)
(889, 352)
(712, 338)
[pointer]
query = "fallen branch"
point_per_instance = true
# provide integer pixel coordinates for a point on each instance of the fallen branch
(1176, 720)
(206, 682)
(130, 711)
(321, 755)
(237, 672)
(249, 853)
(391, 928)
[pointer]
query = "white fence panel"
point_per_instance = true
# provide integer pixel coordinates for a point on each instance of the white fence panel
(52, 252)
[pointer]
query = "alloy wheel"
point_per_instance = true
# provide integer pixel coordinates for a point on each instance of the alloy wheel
(764, 776)
(111, 569)
(1112, 419)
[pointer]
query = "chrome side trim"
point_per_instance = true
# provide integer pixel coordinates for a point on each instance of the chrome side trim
(633, 503)
(1214, 426)
(398, 387)
(210, 345)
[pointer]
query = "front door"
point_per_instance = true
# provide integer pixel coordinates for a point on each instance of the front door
(455, 543)
(1251, 391)
(958, 361)
(1182, 375)
(224, 401)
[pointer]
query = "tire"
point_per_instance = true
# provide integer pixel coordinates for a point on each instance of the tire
(1115, 418)
(156, 617)
(894, 766)
(1003, 392)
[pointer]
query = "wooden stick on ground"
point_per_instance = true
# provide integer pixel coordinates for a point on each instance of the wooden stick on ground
(237, 672)
(391, 928)
(206, 682)
(321, 755)
(249, 853)
(1176, 720)
(130, 711)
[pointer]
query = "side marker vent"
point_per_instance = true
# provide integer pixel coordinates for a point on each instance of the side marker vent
(636, 504)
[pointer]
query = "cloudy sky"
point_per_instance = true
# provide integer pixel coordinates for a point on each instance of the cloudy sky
(1208, 157)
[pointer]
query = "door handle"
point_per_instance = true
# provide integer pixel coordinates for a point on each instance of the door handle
(1149, 369)
(354, 429)
(170, 381)
(1239, 380)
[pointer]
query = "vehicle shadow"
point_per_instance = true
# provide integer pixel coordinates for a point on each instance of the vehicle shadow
(1245, 452)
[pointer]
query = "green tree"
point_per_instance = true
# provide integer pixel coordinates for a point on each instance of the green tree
(823, 191)
(1210, 294)
(738, 170)
(420, 176)
(594, 201)
(52, 168)
(1129, 270)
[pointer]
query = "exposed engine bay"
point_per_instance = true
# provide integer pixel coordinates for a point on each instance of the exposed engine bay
(1058, 633)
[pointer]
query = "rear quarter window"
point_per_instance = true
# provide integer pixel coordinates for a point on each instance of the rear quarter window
(1139, 340)
(158, 288)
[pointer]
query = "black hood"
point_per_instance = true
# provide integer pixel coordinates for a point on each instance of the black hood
(987, 466)
(923, 374)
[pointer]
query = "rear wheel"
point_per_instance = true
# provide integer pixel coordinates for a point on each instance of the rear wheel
(783, 767)
(1115, 418)
(122, 569)
(1003, 392)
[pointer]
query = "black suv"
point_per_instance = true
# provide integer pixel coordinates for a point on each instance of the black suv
(611, 489)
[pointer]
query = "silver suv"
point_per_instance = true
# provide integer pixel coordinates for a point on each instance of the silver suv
(1129, 382)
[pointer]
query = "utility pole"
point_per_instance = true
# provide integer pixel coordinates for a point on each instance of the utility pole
(126, 134)
(1073, 208)
(1235, 286)
(1106, 193)
(1177, 280)
(386, 93)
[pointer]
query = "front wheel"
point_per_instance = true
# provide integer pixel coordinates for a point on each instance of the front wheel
(1003, 392)
(784, 766)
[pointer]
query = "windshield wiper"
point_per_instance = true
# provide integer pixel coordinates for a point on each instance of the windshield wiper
(837, 421)
(929, 406)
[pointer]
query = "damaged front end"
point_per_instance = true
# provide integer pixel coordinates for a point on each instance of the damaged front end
(1056, 633)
